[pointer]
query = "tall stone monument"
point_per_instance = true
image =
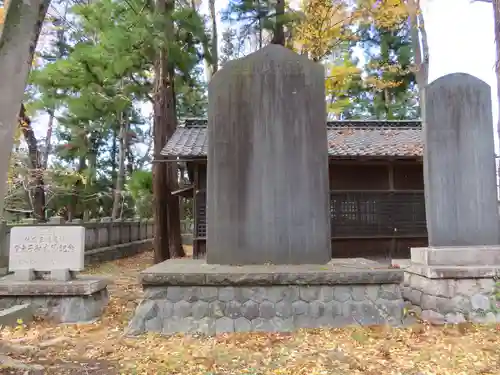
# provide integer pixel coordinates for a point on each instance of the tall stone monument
(459, 163)
(453, 279)
(267, 188)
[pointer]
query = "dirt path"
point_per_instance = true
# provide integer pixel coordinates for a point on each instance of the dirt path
(100, 348)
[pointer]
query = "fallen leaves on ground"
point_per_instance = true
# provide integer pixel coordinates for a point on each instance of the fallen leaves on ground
(101, 348)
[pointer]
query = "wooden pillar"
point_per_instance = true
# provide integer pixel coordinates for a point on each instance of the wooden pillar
(392, 248)
(391, 175)
(196, 187)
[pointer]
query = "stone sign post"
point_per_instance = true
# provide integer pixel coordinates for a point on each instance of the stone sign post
(453, 279)
(63, 296)
(57, 249)
(267, 187)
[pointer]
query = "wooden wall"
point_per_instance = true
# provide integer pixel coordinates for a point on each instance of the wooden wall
(376, 175)
(372, 180)
(373, 176)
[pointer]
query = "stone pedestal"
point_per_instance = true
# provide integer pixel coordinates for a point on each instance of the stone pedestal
(77, 301)
(188, 296)
(454, 284)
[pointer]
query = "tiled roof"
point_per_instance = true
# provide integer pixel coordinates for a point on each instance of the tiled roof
(187, 142)
(345, 139)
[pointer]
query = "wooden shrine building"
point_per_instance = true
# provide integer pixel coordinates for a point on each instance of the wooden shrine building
(376, 185)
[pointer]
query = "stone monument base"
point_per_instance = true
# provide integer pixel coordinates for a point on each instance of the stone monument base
(454, 284)
(189, 296)
(76, 301)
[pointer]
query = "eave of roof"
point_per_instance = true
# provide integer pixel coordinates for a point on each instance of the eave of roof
(354, 138)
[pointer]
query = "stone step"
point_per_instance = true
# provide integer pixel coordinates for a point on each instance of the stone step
(15, 315)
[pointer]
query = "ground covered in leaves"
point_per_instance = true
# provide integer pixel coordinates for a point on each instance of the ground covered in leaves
(100, 348)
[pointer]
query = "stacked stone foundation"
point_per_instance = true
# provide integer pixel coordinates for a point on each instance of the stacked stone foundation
(454, 284)
(212, 310)
(452, 300)
(62, 309)
(278, 301)
(81, 300)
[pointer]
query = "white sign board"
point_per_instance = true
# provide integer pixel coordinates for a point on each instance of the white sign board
(47, 248)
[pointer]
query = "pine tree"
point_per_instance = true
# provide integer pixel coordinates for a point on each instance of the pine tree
(98, 88)
(391, 91)
(260, 22)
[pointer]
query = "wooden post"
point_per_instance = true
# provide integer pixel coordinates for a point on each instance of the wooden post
(196, 182)
(392, 248)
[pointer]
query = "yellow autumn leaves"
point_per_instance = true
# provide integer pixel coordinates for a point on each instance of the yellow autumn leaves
(2, 12)
(386, 13)
(325, 25)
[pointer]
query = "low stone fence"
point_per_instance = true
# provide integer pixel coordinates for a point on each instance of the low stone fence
(105, 239)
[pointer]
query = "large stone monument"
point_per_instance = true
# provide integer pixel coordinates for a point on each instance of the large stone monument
(267, 187)
(453, 279)
(268, 247)
(459, 163)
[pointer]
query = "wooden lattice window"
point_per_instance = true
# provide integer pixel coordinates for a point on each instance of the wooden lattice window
(201, 217)
(360, 214)
(377, 213)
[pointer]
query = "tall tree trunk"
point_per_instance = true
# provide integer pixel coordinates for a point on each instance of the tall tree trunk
(76, 192)
(215, 39)
(114, 154)
(48, 140)
(52, 111)
(174, 218)
(260, 19)
(117, 201)
(37, 186)
(160, 131)
(420, 48)
(211, 54)
(496, 18)
(21, 29)
(93, 150)
(279, 31)
(129, 156)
